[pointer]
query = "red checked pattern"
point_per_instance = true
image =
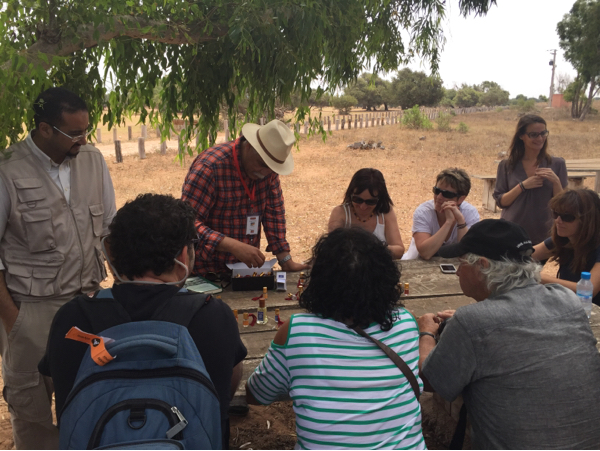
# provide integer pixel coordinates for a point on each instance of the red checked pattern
(213, 187)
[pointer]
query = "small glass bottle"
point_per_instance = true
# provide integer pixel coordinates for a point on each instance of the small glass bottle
(261, 313)
(235, 313)
(301, 279)
(245, 323)
(406, 289)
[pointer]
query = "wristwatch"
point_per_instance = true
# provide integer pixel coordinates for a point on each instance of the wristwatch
(287, 258)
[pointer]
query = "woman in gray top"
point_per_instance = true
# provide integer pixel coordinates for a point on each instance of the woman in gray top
(530, 177)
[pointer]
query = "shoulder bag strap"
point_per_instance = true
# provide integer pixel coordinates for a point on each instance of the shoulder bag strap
(182, 308)
(400, 363)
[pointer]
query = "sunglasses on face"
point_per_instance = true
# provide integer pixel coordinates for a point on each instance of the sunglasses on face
(447, 194)
(563, 216)
(360, 200)
(533, 135)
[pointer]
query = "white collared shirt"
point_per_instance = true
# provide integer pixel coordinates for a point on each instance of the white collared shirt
(61, 176)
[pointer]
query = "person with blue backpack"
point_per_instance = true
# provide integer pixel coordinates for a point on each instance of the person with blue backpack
(149, 364)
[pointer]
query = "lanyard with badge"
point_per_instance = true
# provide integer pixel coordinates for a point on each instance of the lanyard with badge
(253, 219)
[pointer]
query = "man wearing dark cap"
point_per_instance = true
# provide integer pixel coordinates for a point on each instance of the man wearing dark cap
(234, 188)
(523, 356)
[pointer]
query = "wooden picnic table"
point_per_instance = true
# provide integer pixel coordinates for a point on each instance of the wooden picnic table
(586, 165)
(430, 290)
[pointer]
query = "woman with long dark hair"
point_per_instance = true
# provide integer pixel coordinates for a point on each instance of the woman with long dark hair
(575, 239)
(529, 178)
(347, 392)
(368, 205)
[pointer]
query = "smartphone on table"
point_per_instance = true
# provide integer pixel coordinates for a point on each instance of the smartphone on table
(448, 268)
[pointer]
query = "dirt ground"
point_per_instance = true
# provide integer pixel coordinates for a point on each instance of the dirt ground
(410, 161)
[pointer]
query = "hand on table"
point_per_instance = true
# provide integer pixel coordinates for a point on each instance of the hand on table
(292, 266)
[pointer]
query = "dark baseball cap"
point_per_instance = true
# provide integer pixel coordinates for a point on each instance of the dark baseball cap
(493, 239)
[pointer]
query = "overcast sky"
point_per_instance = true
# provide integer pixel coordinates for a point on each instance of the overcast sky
(509, 46)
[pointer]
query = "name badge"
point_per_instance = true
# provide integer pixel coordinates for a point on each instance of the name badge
(252, 224)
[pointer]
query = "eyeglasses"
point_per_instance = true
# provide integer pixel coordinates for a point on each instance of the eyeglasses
(359, 200)
(74, 138)
(563, 216)
(533, 135)
(447, 194)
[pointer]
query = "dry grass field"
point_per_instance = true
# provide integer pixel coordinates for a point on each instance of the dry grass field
(410, 161)
(409, 164)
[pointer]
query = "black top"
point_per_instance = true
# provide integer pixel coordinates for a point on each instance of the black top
(564, 270)
(213, 328)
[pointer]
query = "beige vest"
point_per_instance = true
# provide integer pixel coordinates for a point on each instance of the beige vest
(51, 248)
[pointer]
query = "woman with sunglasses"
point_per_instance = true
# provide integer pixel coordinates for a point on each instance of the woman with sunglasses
(575, 239)
(446, 218)
(530, 177)
(367, 205)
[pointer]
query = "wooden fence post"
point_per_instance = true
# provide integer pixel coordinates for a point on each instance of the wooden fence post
(306, 127)
(115, 134)
(328, 123)
(226, 129)
(129, 133)
(343, 121)
(144, 132)
(373, 120)
(142, 148)
(98, 135)
(118, 153)
(337, 124)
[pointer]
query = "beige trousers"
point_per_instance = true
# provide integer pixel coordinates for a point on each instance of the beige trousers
(27, 392)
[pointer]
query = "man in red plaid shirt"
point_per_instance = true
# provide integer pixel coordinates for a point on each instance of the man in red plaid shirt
(235, 189)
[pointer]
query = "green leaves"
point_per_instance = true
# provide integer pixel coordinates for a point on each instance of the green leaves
(203, 60)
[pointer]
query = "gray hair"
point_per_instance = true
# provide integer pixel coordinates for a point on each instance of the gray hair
(505, 275)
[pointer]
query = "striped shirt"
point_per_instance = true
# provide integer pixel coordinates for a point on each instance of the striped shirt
(347, 393)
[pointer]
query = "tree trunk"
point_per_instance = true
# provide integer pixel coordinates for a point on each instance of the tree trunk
(590, 97)
(385, 107)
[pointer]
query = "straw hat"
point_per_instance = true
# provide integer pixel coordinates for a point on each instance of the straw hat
(273, 142)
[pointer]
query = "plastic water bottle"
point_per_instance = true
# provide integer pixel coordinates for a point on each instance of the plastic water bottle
(585, 292)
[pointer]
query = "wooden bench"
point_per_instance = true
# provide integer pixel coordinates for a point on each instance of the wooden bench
(575, 180)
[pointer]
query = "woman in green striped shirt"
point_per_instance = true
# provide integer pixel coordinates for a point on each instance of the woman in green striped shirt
(347, 393)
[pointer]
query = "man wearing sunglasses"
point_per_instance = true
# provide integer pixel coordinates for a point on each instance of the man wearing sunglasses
(446, 218)
(56, 201)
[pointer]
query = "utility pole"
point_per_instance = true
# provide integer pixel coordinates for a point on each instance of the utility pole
(553, 64)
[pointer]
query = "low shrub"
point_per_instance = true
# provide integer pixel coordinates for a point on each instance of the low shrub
(462, 127)
(413, 118)
(443, 122)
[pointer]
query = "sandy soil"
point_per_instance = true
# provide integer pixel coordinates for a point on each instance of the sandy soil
(410, 161)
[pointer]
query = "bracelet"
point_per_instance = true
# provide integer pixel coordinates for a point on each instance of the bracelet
(461, 226)
(422, 334)
(287, 258)
(522, 186)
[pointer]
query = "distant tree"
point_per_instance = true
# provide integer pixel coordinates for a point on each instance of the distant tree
(579, 33)
(448, 99)
(543, 98)
(369, 90)
(466, 97)
(344, 103)
(494, 97)
(416, 88)
(319, 100)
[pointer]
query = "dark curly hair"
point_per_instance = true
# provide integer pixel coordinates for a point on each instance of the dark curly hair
(50, 105)
(353, 278)
(148, 233)
(372, 180)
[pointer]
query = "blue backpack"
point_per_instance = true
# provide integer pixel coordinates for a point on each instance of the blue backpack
(155, 394)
